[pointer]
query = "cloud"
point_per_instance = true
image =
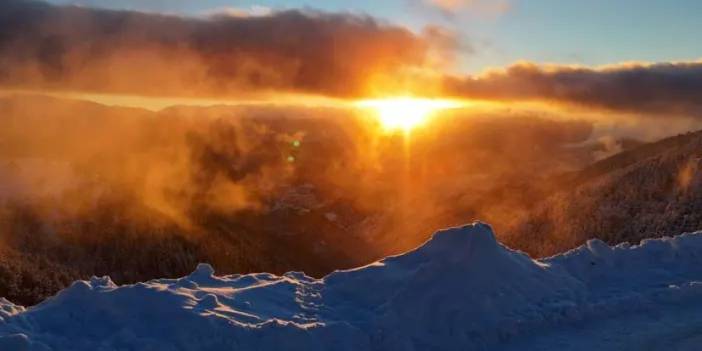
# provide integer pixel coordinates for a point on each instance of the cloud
(71, 48)
(660, 88)
(80, 48)
(482, 7)
(449, 5)
(252, 11)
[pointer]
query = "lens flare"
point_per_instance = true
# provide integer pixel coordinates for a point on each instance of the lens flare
(405, 113)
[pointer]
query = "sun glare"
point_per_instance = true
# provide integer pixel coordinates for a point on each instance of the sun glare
(405, 113)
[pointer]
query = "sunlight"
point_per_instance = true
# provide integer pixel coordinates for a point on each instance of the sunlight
(405, 113)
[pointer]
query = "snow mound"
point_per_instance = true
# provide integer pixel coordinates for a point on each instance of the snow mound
(460, 290)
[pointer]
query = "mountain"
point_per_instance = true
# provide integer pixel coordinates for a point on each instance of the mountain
(649, 191)
(460, 290)
(88, 189)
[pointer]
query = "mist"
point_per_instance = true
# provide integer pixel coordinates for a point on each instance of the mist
(175, 170)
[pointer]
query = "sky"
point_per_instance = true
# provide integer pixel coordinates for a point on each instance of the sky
(500, 32)
(626, 57)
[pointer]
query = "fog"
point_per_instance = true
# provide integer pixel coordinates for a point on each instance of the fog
(184, 162)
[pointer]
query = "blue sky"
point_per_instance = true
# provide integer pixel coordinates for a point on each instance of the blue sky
(592, 32)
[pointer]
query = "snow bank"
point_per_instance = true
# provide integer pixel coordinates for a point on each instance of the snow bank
(460, 290)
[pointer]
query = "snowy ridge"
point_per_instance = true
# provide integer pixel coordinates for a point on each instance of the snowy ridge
(460, 290)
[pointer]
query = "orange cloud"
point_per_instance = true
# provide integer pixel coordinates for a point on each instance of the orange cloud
(449, 5)
(77, 48)
(68, 48)
(489, 7)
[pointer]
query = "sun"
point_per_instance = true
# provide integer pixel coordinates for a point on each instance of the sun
(405, 113)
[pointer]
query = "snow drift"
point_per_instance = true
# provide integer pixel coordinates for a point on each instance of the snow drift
(460, 290)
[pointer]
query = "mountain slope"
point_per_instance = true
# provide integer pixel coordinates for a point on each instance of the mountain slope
(650, 191)
(460, 290)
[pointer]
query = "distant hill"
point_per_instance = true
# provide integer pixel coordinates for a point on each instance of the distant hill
(650, 191)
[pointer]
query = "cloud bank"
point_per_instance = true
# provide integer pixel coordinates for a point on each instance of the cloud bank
(47, 47)
(661, 88)
(81, 48)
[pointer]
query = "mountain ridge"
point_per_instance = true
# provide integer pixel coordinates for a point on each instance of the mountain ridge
(461, 289)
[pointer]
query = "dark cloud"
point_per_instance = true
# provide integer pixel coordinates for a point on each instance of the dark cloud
(662, 88)
(80, 48)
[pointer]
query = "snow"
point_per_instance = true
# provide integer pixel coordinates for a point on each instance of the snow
(461, 290)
